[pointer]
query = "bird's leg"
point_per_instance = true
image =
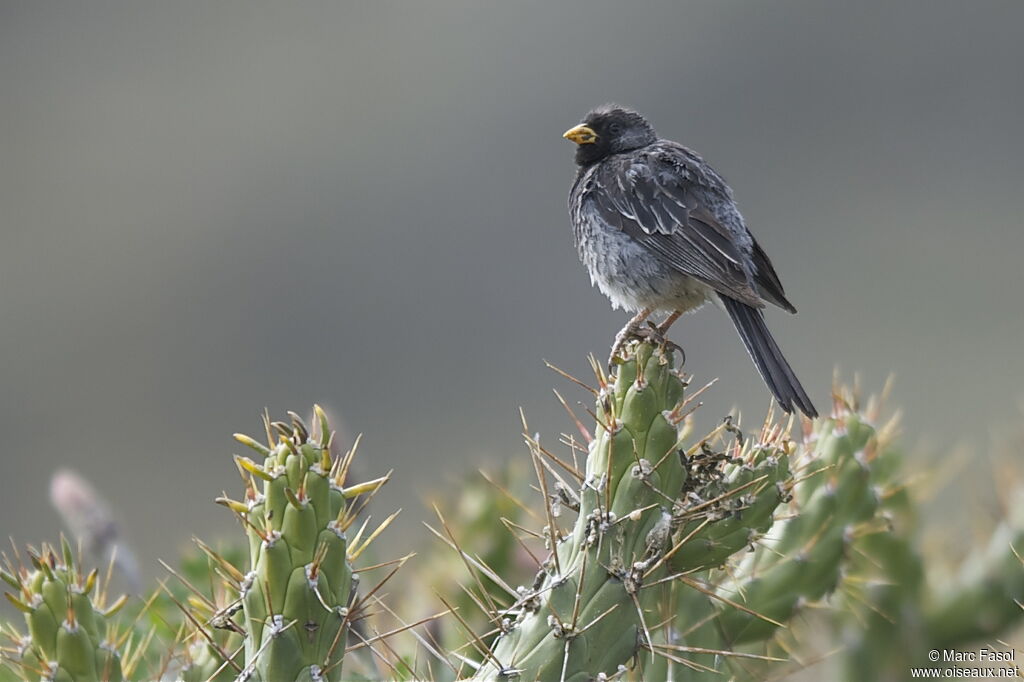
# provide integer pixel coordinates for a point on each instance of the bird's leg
(631, 329)
(657, 334)
(663, 327)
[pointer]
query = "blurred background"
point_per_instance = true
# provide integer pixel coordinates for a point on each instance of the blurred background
(209, 208)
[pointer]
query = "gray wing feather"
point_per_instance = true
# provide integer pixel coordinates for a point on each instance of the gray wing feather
(665, 213)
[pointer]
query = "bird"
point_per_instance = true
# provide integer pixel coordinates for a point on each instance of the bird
(658, 230)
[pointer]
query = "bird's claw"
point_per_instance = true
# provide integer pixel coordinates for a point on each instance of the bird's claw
(650, 333)
(656, 334)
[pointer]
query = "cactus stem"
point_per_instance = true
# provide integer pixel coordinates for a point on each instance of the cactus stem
(597, 619)
(280, 627)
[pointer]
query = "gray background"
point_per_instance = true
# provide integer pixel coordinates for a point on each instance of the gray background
(208, 208)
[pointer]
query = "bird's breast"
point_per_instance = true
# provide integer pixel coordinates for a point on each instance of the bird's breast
(629, 274)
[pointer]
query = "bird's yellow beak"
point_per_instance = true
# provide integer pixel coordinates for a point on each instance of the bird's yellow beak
(581, 134)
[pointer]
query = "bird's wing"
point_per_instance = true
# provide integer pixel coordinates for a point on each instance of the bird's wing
(767, 281)
(662, 209)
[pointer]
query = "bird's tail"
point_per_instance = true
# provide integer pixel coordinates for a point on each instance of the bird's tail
(770, 362)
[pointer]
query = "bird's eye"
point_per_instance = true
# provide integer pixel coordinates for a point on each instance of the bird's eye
(615, 129)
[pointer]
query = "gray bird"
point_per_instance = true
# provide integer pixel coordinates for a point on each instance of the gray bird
(658, 229)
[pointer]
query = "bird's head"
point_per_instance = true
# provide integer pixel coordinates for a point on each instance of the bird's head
(607, 130)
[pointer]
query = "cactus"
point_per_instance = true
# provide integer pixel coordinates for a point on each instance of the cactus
(208, 661)
(484, 500)
(897, 610)
(849, 533)
(287, 617)
(649, 511)
(687, 559)
(987, 594)
(297, 597)
(821, 522)
(212, 644)
(585, 615)
(800, 560)
(71, 634)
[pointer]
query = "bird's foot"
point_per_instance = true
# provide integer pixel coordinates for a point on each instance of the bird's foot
(621, 339)
(655, 334)
(649, 333)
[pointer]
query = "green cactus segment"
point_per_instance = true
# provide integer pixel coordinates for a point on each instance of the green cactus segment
(878, 611)
(690, 628)
(69, 637)
(731, 507)
(987, 596)
(801, 559)
(588, 610)
(297, 595)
